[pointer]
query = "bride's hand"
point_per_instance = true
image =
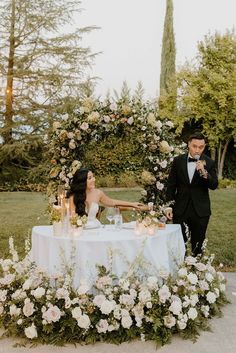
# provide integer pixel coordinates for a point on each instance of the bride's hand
(140, 206)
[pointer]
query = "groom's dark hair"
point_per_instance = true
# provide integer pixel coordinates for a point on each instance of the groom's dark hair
(197, 135)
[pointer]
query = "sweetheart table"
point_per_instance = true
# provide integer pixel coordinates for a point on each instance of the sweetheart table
(121, 250)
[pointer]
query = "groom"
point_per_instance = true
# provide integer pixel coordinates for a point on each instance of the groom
(191, 176)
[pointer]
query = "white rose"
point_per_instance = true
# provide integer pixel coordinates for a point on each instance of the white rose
(182, 272)
(190, 260)
(194, 299)
(53, 314)
(130, 120)
(76, 312)
(211, 297)
(163, 164)
(200, 266)
(165, 147)
(84, 126)
(169, 321)
(159, 185)
(99, 299)
(107, 119)
(205, 309)
(169, 123)
(28, 308)
(203, 285)
(176, 307)
(181, 324)
(209, 277)
(3, 295)
(31, 332)
(72, 144)
(126, 321)
(27, 284)
(83, 321)
(164, 293)
(70, 135)
(192, 313)
(8, 279)
(126, 299)
(107, 306)
(145, 296)
(39, 292)
(133, 293)
(62, 293)
(192, 277)
(14, 311)
(102, 326)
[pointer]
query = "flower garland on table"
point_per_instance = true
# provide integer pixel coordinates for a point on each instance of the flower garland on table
(45, 309)
(148, 221)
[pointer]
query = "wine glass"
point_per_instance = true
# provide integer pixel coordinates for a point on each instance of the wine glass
(110, 213)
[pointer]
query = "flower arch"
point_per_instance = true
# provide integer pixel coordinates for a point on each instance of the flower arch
(95, 119)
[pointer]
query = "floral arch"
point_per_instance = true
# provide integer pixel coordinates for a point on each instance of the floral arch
(94, 120)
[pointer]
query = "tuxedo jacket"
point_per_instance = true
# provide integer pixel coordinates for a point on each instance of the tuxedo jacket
(182, 191)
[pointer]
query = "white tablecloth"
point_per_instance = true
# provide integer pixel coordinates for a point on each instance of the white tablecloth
(160, 252)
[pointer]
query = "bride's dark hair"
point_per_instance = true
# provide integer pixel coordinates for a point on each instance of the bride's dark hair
(78, 190)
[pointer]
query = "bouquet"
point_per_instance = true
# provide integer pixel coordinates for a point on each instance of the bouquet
(78, 221)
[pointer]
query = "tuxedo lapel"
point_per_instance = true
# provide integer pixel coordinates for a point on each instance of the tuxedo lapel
(184, 167)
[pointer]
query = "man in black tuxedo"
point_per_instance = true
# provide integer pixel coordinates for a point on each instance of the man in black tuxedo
(191, 176)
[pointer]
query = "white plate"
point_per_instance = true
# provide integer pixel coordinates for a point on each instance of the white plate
(91, 226)
(129, 225)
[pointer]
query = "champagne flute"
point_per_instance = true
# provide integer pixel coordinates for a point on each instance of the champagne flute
(110, 213)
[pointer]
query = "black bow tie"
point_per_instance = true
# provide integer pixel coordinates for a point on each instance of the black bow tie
(192, 159)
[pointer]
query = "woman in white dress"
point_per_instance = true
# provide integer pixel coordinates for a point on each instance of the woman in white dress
(86, 198)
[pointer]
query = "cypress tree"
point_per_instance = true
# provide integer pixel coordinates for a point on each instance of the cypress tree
(168, 50)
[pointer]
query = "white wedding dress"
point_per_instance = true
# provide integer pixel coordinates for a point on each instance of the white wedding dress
(93, 222)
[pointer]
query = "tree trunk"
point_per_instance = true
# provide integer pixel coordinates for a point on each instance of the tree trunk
(222, 160)
(8, 127)
(219, 157)
(213, 153)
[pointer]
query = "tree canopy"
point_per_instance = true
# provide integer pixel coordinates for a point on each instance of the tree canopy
(43, 68)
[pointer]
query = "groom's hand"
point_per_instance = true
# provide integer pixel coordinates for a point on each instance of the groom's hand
(169, 213)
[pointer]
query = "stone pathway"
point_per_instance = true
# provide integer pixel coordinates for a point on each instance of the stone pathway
(222, 339)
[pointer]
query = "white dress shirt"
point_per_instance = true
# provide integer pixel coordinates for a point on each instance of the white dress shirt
(191, 168)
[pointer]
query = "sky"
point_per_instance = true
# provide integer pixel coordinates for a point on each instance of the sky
(130, 37)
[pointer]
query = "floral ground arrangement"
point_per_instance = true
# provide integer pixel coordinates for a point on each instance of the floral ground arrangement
(43, 309)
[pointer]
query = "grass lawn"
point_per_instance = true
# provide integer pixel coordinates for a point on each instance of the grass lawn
(20, 211)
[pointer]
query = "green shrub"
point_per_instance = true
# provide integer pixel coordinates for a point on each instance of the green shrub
(108, 181)
(128, 179)
(227, 183)
(114, 155)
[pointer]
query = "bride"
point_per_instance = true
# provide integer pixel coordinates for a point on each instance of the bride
(85, 198)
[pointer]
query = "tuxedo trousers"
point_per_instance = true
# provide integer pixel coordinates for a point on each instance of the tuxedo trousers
(196, 227)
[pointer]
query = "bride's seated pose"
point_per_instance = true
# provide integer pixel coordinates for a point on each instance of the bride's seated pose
(85, 198)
